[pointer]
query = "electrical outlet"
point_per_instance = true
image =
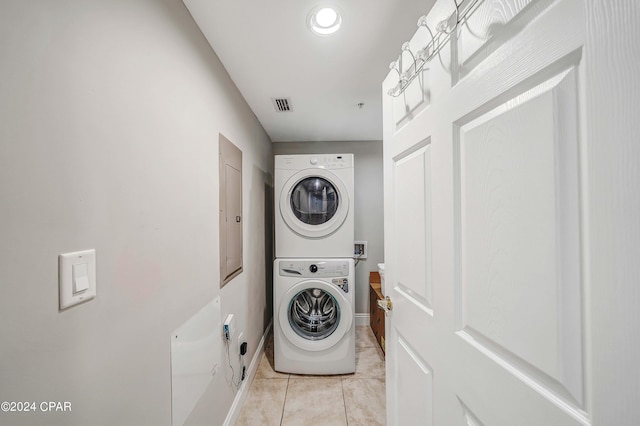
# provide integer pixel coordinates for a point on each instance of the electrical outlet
(228, 327)
(360, 249)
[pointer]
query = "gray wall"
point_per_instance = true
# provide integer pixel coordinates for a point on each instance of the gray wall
(109, 118)
(368, 201)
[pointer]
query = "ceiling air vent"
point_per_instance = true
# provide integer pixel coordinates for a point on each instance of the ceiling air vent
(282, 104)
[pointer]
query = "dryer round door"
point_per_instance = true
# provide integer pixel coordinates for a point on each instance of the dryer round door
(314, 203)
(314, 315)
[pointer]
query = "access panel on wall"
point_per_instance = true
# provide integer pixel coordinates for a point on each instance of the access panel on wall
(230, 210)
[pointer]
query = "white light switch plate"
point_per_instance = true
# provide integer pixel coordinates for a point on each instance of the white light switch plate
(76, 270)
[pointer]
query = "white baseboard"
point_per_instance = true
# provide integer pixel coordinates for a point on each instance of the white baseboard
(241, 395)
(362, 319)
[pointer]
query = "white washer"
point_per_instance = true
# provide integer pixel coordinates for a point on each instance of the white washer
(314, 205)
(314, 325)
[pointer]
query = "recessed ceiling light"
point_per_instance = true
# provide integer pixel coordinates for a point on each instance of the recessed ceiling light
(324, 20)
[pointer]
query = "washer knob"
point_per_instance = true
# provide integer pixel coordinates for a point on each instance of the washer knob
(313, 269)
(313, 160)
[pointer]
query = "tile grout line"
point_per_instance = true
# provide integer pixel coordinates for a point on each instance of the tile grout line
(344, 402)
(284, 404)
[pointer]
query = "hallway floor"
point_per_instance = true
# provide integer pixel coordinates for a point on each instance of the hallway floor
(296, 400)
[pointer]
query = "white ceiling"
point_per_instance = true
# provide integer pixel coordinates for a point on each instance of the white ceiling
(268, 50)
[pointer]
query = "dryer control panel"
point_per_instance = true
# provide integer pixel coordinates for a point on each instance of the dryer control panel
(321, 161)
(314, 268)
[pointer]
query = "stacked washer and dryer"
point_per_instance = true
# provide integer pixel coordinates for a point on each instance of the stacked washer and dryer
(314, 277)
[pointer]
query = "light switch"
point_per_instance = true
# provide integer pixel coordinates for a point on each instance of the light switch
(77, 277)
(80, 278)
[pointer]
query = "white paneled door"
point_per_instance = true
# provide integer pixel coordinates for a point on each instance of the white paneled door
(485, 222)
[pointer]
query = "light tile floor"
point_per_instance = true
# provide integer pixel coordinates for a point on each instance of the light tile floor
(295, 400)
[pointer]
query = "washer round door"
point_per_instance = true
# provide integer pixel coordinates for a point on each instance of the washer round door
(314, 315)
(314, 203)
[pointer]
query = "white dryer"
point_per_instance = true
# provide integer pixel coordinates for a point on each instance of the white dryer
(314, 205)
(314, 318)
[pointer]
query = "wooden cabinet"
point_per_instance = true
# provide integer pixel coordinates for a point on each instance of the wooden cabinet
(376, 315)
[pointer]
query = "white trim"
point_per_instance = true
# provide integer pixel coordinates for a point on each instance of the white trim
(241, 395)
(362, 319)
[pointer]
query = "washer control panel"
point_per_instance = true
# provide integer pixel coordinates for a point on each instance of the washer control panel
(314, 268)
(343, 283)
